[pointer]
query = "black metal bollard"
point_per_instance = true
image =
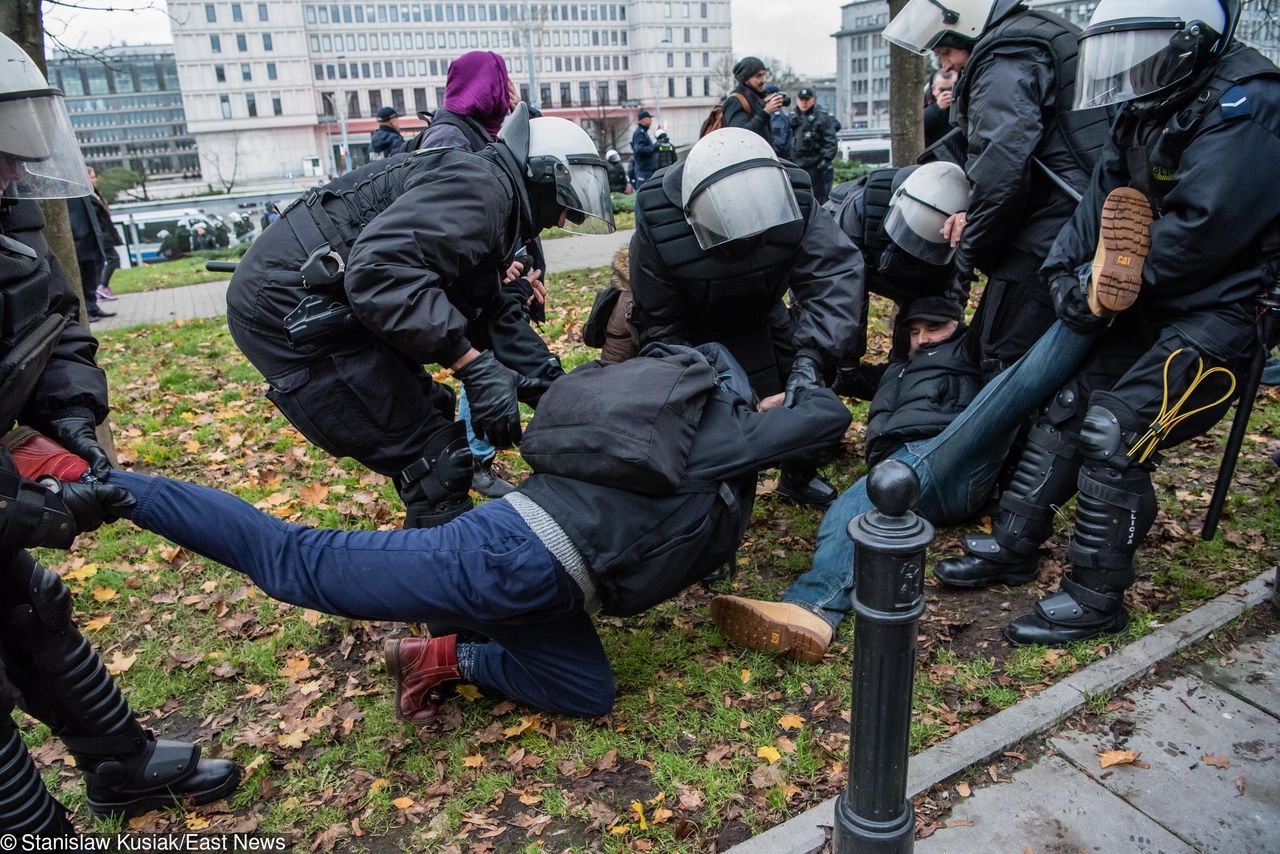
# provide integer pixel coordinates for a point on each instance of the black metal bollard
(873, 813)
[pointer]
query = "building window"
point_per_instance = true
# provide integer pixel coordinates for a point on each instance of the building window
(704, 35)
(688, 32)
(242, 44)
(237, 14)
(311, 14)
(566, 92)
(602, 92)
(375, 100)
(246, 71)
(706, 59)
(266, 41)
(262, 16)
(686, 10)
(584, 94)
(688, 87)
(220, 73)
(210, 13)
(271, 70)
(671, 87)
(215, 44)
(353, 105)
(277, 109)
(397, 100)
(706, 86)
(419, 98)
(671, 60)
(319, 70)
(666, 10)
(251, 102)
(225, 101)
(688, 59)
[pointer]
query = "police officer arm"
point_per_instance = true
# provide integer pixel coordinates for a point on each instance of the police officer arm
(659, 307)
(1006, 125)
(828, 279)
(1218, 205)
(830, 146)
(405, 258)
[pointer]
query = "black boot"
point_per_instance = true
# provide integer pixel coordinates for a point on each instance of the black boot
(1114, 512)
(806, 486)
(1044, 478)
(486, 481)
(25, 804)
(435, 489)
(64, 684)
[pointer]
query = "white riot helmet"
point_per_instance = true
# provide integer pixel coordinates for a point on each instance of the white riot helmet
(562, 152)
(925, 24)
(733, 187)
(1136, 48)
(919, 207)
(39, 157)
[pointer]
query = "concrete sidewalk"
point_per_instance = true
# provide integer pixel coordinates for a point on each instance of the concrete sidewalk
(1180, 799)
(210, 299)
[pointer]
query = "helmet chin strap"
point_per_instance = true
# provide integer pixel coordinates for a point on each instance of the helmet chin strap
(546, 210)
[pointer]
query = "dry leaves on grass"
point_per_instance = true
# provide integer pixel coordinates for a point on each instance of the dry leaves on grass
(1107, 758)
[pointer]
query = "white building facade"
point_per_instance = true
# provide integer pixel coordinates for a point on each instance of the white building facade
(268, 88)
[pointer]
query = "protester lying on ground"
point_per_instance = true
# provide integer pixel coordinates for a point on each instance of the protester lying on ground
(400, 264)
(720, 238)
(591, 529)
(957, 470)
(1166, 370)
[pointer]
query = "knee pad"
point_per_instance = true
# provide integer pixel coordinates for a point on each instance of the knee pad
(1109, 430)
(1044, 478)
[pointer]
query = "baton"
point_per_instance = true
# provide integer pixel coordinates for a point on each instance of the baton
(220, 266)
(1057, 180)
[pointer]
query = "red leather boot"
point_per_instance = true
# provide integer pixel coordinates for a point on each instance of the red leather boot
(37, 456)
(420, 666)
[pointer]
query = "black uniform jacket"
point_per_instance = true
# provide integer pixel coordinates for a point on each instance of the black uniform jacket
(430, 235)
(642, 549)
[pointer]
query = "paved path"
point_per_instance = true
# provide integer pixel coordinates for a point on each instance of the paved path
(210, 299)
(1210, 746)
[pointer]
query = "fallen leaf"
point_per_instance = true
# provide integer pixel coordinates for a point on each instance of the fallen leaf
(120, 663)
(964, 790)
(529, 800)
(638, 809)
(472, 761)
(470, 692)
(379, 784)
(297, 668)
(1216, 761)
(960, 822)
(402, 803)
(770, 754)
(790, 722)
(746, 676)
(766, 776)
(84, 573)
(690, 798)
(526, 722)
(105, 594)
(661, 815)
(196, 822)
(1240, 784)
(98, 623)
(620, 829)
(1118, 757)
(293, 740)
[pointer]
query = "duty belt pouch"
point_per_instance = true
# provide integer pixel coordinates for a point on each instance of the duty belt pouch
(628, 425)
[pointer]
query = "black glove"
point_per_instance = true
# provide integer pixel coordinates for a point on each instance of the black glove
(804, 375)
(495, 411)
(76, 433)
(1073, 308)
(91, 504)
(530, 389)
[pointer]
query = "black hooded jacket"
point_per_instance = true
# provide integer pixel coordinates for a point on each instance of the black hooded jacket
(752, 116)
(642, 549)
(427, 236)
(386, 141)
(1216, 237)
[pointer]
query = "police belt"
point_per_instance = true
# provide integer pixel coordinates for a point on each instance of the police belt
(320, 239)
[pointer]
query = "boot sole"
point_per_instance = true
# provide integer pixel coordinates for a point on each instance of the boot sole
(749, 627)
(146, 803)
(797, 498)
(1098, 631)
(1125, 240)
(391, 659)
(1011, 579)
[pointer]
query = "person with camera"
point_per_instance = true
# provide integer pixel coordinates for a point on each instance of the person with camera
(937, 112)
(747, 105)
(49, 381)
(400, 264)
(813, 142)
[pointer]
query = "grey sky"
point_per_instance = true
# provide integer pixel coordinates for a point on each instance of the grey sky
(794, 31)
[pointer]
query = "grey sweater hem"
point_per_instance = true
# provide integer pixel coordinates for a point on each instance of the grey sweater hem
(558, 543)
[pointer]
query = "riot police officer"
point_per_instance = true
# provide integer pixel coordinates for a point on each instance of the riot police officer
(720, 238)
(399, 264)
(1023, 143)
(48, 380)
(1200, 123)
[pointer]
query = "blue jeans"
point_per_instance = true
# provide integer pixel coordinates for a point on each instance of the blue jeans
(485, 571)
(480, 449)
(957, 468)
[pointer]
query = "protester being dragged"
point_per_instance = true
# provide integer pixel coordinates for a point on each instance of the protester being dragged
(720, 238)
(644, 481)
(479, 94)
(397, 265)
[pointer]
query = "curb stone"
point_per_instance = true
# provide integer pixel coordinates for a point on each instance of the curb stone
(808, 832)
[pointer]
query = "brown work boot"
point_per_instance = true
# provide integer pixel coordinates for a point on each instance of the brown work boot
(775, 627)
(420, 666)
(1123, 243)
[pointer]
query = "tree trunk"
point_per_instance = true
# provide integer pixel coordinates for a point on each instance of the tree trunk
(908, 74)
(22, 21)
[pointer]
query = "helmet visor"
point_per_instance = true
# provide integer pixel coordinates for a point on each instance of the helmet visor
(918, 27)
(741, 204)
(1121, 64)
(39, 157)
(586, 196)
(916, 227)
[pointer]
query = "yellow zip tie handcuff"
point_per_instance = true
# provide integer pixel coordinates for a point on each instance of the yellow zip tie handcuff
(1169, 418)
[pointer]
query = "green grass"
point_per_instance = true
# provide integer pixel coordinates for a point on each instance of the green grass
(214, 659)
(188, 270)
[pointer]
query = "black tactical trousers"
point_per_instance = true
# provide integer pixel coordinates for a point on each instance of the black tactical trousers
(363, 401)
(1015, 310)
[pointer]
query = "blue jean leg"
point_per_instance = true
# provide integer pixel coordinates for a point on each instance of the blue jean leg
(484, 571)
(480, 449)
(957, 468)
